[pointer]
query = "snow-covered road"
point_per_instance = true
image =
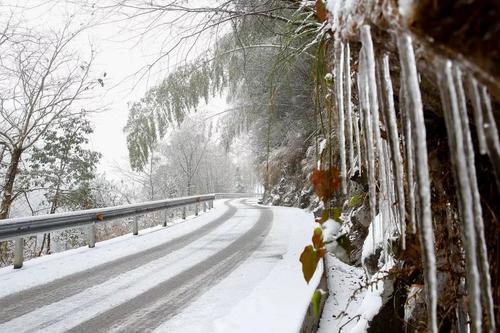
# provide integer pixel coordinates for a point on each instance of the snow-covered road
(233, 269)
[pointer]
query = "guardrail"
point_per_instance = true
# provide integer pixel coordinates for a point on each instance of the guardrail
(235, 195)
(17, 228)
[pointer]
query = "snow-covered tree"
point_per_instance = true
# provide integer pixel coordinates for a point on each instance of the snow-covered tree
(63, 168)
(238, 181)
(40, 80)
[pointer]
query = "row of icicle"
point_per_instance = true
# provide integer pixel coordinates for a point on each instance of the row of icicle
(361, 144)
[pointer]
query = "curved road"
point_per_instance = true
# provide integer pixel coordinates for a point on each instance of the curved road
(139, 292)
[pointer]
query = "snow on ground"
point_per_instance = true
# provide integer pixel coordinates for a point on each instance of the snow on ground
(71, 311)
(354, 299)
(340, 310)
(373, 241)
(267, 293)
(83, 258)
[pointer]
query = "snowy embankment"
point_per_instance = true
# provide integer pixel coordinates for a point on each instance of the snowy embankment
(262, 291)
(354, 297)
(352, 303)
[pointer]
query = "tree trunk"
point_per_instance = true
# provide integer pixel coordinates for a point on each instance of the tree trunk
(43, 245)
(10, 177)
(48, 244)
(2, 153)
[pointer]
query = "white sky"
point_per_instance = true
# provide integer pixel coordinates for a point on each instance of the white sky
(121, 55)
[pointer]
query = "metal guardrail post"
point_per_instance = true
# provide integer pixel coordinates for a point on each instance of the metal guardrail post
(196, 209)
(18, 252)
(204, 207)
(91, 235)
(135, 226)
(211, 203)
(184, 212)
(165, 218)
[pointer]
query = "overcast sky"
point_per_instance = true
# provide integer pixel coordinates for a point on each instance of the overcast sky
(123, 54)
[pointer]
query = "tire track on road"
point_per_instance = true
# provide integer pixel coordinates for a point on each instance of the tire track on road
(26, 301)
(150, 309)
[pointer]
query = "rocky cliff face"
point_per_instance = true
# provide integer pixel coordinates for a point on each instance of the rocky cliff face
(443, 244)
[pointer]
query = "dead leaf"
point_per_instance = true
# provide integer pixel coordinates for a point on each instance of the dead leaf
(325, 183)
(321, 12)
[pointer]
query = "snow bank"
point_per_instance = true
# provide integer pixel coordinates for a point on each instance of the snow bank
(355, 299)
(373, 241)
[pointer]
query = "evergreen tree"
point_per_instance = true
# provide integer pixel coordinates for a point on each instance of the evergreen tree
(63, 167)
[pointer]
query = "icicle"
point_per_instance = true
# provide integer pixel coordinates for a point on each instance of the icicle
(370, 155)
(348, 101)
(390, 188)
(386, 206)
(397, 161)
(416, 115)
(366, 40)
(459, 163)
(408, 147)
(362, 134)
(484, 267)
(389, 224)
(339, 62)
(475, 98)
(358, 143)
(491, 135)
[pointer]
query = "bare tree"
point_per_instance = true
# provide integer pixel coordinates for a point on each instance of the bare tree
(40, 80)
(191, 28)
(187, 149)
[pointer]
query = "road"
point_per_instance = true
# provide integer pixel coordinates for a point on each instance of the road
(158, 277)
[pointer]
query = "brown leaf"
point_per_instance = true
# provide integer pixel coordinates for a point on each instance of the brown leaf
(321, 12)
(325, 183)
(309, 259)
(100, 217)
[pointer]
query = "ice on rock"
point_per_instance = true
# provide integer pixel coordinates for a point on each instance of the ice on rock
(339, 66)
(491, 134)
(484, 267)
(348, 104)
(397, 160)
(458, 158)
(475, 98)
(373, 105)
(408, 149)
(359, 157)
(367, 125)
(415, 111)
